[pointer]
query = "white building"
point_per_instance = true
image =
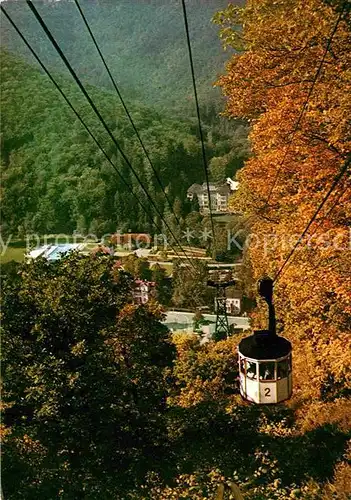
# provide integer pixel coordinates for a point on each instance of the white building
(142, 291)
(219, 193)
(232, 302)
(54, 252)
(234, 185)
(233, 306)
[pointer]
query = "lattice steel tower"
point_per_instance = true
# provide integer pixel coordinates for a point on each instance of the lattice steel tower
(222, 327)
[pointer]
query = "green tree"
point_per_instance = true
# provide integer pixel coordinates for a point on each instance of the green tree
(190, 286)
(163, 285)
(142, 269)
(138, 267)
(218, 168)
(84, 387)
(129, 264)
(203, 372)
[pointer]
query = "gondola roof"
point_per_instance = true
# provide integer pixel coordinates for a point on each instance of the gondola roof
(262, 345)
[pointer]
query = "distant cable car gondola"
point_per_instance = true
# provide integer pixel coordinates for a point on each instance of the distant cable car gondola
(265, 359)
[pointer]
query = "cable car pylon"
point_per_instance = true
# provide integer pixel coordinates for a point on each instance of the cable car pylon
(222, 326)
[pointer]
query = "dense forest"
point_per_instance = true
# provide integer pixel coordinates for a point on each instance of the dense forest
(53, 173)
(100, 400)
(144, 44)
(55, 179)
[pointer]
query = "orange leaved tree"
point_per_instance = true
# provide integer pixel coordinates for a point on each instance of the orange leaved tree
(290, 77)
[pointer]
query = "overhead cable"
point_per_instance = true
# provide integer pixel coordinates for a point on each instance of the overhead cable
(337, 179)
(185, 17)
(335, 203)
(101, 119)
(126, 109)
(304, 107)
(130, 188)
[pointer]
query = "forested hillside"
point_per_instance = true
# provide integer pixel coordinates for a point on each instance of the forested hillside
(99, 399)
(55, 179)
(143, 42)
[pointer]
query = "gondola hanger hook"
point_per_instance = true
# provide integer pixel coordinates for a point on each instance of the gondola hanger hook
(265, 290)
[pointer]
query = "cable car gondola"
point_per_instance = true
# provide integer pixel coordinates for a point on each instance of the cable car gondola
(265, 370)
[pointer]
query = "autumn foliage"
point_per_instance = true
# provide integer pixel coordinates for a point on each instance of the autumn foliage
(291, 79)
(100, 402)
